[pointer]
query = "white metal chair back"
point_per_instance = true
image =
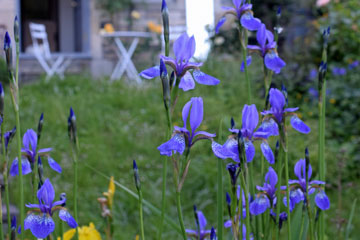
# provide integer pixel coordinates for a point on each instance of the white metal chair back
(40, 40)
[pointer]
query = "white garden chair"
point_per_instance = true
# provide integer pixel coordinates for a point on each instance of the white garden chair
(51, 65)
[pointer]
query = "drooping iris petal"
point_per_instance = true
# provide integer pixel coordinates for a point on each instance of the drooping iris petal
(296, 196)
(187, 82)
(205, 79)
(176, 143)
(249, 22)
(248, 62)
(40, 225)
(202, 220)
(14, 168)
(322, 200)
(209, 135)
(54, 165)
(221, 152)
(231, 145)
(250, 118)
(66, 217)
(259, 205)
(46, 193)
(196, 113)
(249, 150)
(299, 125)
(219, 24)
(291, 109)
(274, 62)
(267, 128)
(317, 182)
(267, 152)
(271, 177)
(150, 73)
(30, 140)
(254, 47)
(185, 112)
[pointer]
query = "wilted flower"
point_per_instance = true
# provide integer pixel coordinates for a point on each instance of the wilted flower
(39, 220)
(30, 151)
(250, 119)
(184, 49)
(242, 12)
(183, 138)
(110, 193)
(267, 49)
(278, 111)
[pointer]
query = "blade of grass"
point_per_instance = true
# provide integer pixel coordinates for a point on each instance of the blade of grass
(348, 226)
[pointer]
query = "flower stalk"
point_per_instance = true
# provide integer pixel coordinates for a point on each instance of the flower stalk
(322, 117)
(138, 188)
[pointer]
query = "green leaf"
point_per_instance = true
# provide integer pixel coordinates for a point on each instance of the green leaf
(348, 226)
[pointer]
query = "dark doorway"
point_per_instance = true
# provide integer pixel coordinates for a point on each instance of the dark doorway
(44, 12)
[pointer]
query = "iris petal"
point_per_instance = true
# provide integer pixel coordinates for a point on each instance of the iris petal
(66, 217)
(249, 150)
(187, 82)
(249, 22)
(267, 152)
(40, 225)
(150, 73)
(322, 200)
(259, 205)
(219, 24)
(14, 168)
(205, 79)
(54, 165)
(299, 125)
(176, 144)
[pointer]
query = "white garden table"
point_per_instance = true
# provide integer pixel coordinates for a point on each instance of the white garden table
(124, 56)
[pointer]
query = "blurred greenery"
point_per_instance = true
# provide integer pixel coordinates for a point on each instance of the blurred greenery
(118, 122)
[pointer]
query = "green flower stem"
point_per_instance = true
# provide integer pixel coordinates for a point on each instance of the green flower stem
(302, 223)
(62, 230)
(5, 174)
(278, 195)
(75, 187)
(311, 223)
(284, 149)
(181, 221)
(141, 214)
(16, 102)
(34, 175)
(246, 192)
(243, 41)
(220, 201)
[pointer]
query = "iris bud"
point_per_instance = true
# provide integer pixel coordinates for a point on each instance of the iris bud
(72, 125)
(165, 84)
(212, 234)
(1, 100)
(232, 123)
(136, 176)
(228, 202)
(40, 125)
(165, 18)
(8, 52)
(16, 29)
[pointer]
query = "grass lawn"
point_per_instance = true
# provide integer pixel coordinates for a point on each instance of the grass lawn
(118, 122)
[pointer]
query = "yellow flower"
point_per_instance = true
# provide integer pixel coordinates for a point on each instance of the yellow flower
(110, 193)
(109, 28)
(153, 27)
(332, 101)
(85, 233)
(135, 14)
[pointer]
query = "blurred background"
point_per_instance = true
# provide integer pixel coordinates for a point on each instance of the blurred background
(119, 121)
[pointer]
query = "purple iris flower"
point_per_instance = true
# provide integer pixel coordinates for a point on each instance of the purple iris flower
(267, 197)
(242, 12)
(30, 151)
(183, 138)
(339, 71)
(202, 227)
(41, 225)
(184, 49)
(277, 110)
(298, 187)
(250, 120)
(8, 136)
(354, 64)
(267, 49)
